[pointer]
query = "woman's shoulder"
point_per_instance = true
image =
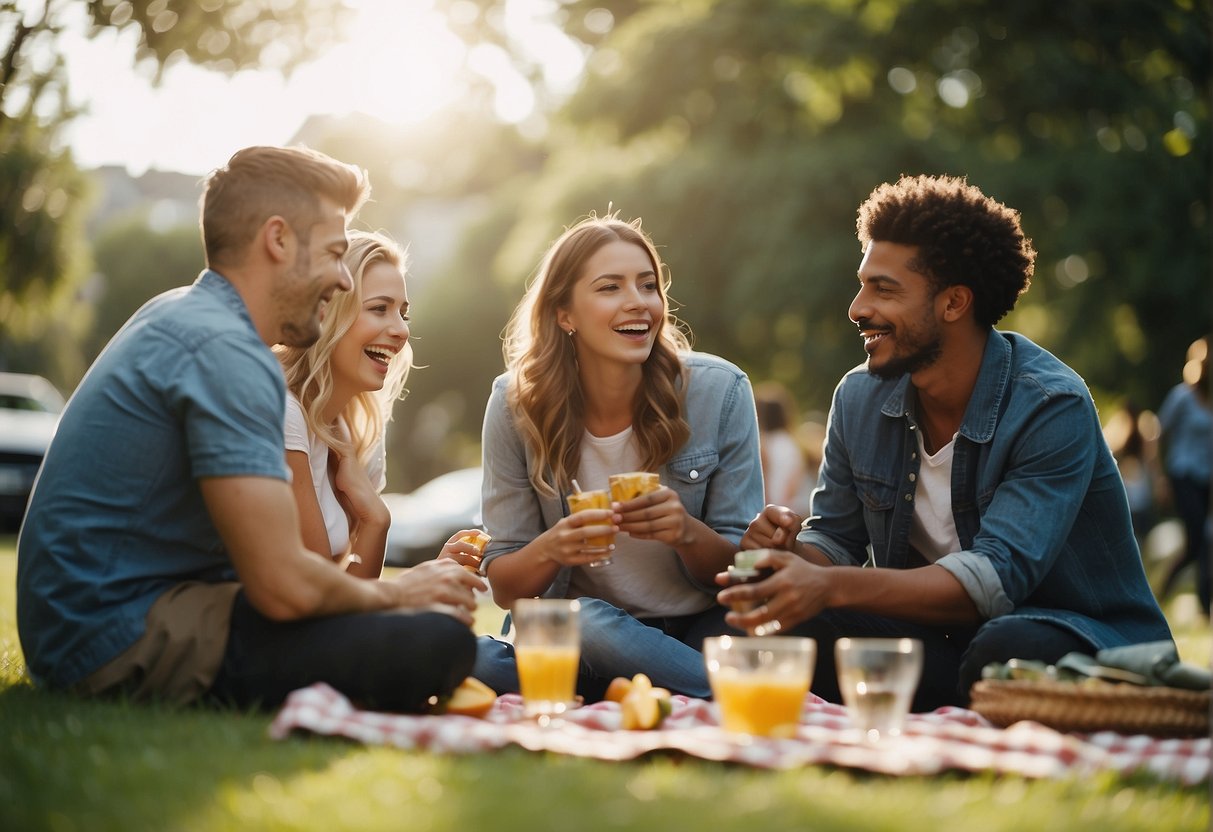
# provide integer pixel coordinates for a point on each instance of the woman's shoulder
(708, 362)
(712, 368)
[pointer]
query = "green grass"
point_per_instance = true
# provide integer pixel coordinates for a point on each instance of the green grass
(67, 764)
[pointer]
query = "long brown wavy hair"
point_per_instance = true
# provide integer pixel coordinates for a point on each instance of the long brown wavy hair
(544, 391)
(308, 372)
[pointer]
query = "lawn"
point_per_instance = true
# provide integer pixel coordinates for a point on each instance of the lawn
(66, 765)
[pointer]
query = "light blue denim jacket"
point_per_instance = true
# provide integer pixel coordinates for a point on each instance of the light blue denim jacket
(717, 473)
(1039, 505)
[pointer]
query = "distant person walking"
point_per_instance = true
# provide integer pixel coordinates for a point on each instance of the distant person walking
(1135, 450)
(1187, 440)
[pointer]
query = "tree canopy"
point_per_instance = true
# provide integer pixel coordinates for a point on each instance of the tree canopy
(746, 133)
(43, 197)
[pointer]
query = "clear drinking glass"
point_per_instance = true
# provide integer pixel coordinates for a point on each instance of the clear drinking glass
(601, 499)
(759, 684)
(547, 649)
(878, 677)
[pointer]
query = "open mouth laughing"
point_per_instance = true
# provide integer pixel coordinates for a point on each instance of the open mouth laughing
(381, 355)
(634, 329)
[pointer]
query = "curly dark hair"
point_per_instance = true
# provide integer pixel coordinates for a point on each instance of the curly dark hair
(963, 237)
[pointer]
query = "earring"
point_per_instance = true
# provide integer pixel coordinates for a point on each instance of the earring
(571, 332)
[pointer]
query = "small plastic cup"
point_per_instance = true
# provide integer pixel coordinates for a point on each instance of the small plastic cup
(479, 539)
(632, 484)
(583, 501)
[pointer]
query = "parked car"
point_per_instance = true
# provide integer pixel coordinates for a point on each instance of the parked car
(29, 414)
(424, 519)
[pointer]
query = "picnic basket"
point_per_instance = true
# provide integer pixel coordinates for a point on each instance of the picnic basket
(1081, 708)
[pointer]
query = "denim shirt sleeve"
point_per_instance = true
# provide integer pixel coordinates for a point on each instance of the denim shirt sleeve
(1050, 461)
(514, 513)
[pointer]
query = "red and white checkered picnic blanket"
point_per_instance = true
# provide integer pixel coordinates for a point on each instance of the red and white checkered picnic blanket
(945, 739)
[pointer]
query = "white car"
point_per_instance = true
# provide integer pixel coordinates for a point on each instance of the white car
(424, 519)
(29, 414)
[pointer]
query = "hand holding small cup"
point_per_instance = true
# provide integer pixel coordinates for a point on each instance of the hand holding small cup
(589, 501)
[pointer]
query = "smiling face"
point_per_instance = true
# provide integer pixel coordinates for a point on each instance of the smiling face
(895, 311)
(616, 306)
(379, 331)
(318, 273)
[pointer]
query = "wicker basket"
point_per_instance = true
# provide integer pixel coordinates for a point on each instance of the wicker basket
(1126, 709)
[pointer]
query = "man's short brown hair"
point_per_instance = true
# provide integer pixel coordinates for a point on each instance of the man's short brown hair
(261, 182)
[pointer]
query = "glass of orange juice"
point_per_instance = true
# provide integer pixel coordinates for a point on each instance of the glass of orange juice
(759, 684)
(599, 499)
(547, 649)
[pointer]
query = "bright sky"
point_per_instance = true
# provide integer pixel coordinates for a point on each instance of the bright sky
(400, 65)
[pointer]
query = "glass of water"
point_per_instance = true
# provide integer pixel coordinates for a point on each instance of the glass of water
(878, 677)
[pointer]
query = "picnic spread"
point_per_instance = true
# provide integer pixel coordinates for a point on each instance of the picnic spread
(947, 739)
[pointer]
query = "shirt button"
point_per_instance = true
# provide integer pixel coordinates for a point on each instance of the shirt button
(694, 475)
(913, 477)
(909, 497)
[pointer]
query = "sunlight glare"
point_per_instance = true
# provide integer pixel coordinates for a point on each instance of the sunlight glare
(400, 64)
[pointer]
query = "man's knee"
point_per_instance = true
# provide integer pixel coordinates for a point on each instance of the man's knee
(1011, 637)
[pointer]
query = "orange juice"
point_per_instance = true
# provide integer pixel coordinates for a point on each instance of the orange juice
(478, 539)
(762, 704)
(584, 500)
(547, 676)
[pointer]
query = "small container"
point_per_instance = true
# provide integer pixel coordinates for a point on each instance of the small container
(743, 571)
(479, 539)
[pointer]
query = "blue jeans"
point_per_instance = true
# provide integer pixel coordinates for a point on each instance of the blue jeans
(952, 657)
(614, 643)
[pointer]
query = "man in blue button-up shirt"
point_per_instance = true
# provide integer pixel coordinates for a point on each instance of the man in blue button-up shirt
(964, 466)
(161, 555)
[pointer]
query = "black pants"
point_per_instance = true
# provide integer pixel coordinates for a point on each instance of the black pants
(952, 657)
(390, 661)
(1192, 504)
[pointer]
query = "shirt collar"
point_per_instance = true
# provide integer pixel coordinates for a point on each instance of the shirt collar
(981, 415)
(212, 282)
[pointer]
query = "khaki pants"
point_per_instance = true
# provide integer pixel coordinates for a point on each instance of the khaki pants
(180, 652)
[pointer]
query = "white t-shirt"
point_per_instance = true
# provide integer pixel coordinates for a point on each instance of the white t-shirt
(299, 438)
(933, 530)
(644, 577)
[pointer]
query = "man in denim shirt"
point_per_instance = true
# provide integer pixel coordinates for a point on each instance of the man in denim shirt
(964, 466)
(161, 554)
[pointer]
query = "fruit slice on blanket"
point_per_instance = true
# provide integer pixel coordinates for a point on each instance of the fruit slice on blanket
(472, 698)
(641, 705)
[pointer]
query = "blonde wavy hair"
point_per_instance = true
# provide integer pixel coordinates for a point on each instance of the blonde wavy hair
(308, 372)
(544, 391)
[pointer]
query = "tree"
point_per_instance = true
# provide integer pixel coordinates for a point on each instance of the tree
(134, 264)
(43, 197)
(746, 132)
